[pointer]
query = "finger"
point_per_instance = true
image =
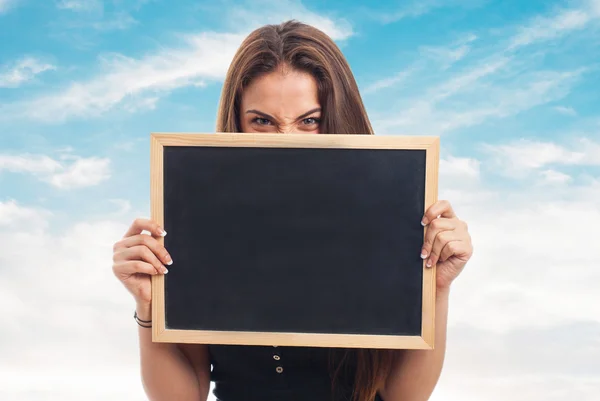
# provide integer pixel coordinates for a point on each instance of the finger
(458, 247)
(140, 225)
(441, 208)
(150, 242)
(130, 267)
(139, 252)
(436, 226)
(441, 240)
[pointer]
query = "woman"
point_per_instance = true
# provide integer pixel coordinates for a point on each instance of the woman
(289, 78)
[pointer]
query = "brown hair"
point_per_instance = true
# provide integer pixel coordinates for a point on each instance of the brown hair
(305, 48)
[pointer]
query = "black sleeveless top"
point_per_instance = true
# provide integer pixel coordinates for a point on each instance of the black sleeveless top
(269, 373)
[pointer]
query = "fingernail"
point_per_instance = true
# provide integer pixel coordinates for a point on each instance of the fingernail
(169, 261)
(165, 270)
(424, 221)
(429, 263)
(423, 254)
(162, 232)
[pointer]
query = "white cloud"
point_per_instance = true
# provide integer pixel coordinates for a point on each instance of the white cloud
(569, 111)
(81, 172)
(250, 15)
(28, 163)
(15, 216)
(23, 70)
(444, 56)
(448, 55)
(555, 177)
(400, 77)
(520, 295)
(464, 81)
(80, 5)
(529, 288)
(134, 84)
(68, 276)
(418, 8)
(67, 382)
(91, 15)
(478, 95)
(500, 83)
(527, 154)
(543, 28)
(124, 206)
(117, 21)
(460, 168)
(518, 365)
(6, 5)
(530, 267)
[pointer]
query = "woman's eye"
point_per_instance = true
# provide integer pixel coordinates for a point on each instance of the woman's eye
(261, 121)
(311, 121)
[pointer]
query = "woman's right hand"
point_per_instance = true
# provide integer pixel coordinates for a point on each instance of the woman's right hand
(137, 256)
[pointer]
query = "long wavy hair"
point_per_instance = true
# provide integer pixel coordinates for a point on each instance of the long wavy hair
(307, 49)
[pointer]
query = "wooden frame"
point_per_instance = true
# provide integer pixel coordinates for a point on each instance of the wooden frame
(161, 334)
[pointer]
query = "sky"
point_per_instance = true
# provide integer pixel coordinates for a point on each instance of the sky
(510, 87)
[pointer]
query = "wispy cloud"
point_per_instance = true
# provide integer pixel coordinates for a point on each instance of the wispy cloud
(400, 77)
(540, 161)
(134, 84)
(123, 205)
(251, 15)
(93, 15)
(69, 173)
(23, 70)
(495, 87)
(448, 55)
(117, 21)
(80, 5)
(463, 81)
(561, 22)
(6, 5)
(569, 111)
(498, 84)
(418, 8)
(425, 115)
(26, 163)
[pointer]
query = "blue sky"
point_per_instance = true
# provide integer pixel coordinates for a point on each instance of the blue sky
(511, 87)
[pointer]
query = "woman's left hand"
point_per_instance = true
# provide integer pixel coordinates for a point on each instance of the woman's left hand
(447, 243)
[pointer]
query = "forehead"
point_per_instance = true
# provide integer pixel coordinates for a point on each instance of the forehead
(286, 93)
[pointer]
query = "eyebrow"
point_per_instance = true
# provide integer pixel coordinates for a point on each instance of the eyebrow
(260, 113)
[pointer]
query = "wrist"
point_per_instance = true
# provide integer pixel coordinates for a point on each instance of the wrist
(144, 311)
(442, 292)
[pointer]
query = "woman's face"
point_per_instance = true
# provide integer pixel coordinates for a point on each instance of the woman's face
(281, 102)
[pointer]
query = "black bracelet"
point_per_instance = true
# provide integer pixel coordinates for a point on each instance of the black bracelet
(147, 327)
(135, 316)
(138, 320)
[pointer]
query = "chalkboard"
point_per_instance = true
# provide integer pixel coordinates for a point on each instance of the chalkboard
(294, 239)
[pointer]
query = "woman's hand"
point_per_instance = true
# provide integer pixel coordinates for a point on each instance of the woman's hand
(137, 256)
(447, 243)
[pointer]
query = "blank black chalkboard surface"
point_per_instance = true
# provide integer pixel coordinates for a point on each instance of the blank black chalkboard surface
(294, 239)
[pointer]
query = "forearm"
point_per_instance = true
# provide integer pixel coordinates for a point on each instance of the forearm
(167, 374)
(416, 372)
